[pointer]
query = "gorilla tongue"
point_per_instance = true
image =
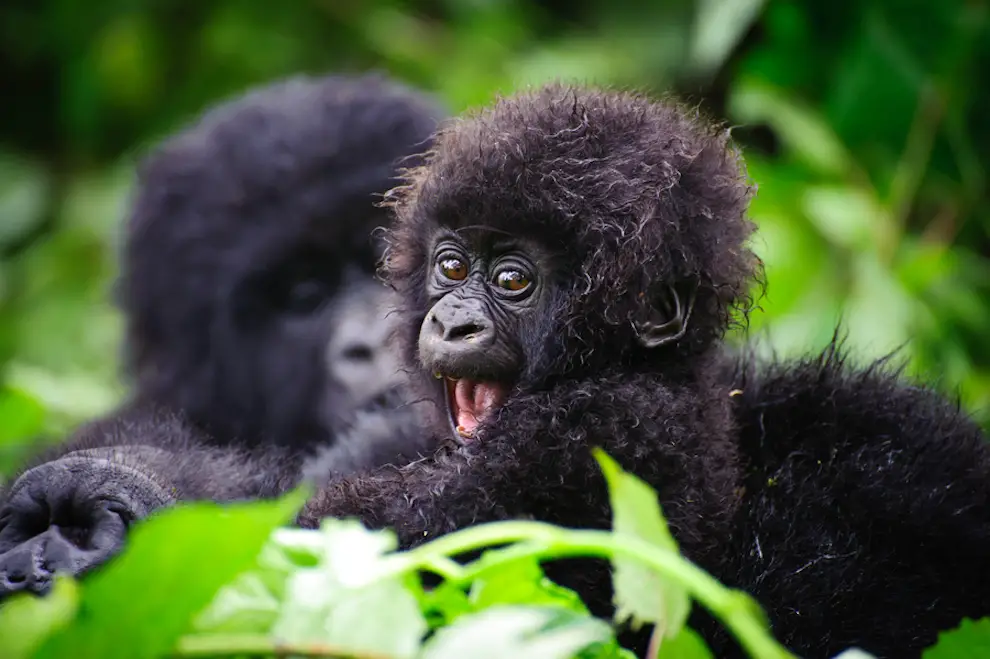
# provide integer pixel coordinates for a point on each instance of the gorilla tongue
(473, 401)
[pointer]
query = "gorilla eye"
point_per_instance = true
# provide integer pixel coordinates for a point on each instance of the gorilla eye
(306, 296)
(453, 268)
(512, 280)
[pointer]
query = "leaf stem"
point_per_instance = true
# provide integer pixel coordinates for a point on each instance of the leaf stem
(545, 541)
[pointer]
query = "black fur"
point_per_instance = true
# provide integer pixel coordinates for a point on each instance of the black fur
(851, 503)
(175, 454)
(628, 194)
(866, 518)
(250, 241)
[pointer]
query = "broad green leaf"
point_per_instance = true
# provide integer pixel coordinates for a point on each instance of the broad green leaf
(686, 645)
(518, 632)
(970, 640)
(26, 621)
(172, 567)
(252, 602)
(641, 594)
(352, 599)
(246, 606)
(442, 605)
(521, 582)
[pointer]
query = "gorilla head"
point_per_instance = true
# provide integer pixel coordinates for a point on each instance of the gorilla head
(248, 272)
(563, 233)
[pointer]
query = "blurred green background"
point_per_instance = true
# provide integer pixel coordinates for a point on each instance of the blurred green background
(866, 124)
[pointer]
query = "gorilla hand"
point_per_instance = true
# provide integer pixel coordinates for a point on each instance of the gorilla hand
(71, 514)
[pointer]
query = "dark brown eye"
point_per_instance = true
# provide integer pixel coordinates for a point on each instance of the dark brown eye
(453, 268)
(512, 280)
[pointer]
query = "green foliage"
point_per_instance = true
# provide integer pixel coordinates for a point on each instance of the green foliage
(641, 594)
(969, 641)
(203, 580)
(872, 207)
(25, 622)
(344, 591)
(685, 645)
(172, 569)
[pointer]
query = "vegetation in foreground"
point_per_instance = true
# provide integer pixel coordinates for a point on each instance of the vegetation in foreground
(205, 580)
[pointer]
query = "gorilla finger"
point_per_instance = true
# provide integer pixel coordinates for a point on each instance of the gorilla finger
(32, 565)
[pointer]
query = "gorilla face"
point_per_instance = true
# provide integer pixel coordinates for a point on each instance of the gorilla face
(305, 342)
(486, 297)
(358, 360)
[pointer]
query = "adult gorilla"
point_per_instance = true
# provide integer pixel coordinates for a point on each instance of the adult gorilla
(567, 262)
(248, 277)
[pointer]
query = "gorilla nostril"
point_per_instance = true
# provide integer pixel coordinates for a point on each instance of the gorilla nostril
(15, 579)
(467, 332)
(437, 325)
(358, 353)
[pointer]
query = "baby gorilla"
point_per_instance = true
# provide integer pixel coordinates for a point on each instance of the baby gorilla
(248, 278)
(567, 262)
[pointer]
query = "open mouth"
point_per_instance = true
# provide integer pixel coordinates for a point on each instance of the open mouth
(471, 402)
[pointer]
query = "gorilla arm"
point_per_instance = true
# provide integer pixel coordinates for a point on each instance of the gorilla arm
(70, 512)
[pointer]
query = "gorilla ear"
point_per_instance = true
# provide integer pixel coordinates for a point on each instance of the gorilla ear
(667, 316)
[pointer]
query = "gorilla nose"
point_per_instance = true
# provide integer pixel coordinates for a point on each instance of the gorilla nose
(462, 328)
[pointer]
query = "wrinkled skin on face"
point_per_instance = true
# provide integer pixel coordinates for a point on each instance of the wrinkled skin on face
(492, 299)
(484, 295)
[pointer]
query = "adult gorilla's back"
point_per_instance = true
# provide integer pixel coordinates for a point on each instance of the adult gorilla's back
(250, 239)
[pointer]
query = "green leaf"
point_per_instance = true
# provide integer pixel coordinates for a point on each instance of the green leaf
(970, 640)
(803, 132)
(849, 217)
(719, 25)
(173, 565)
(251, 604)
(686, 645)
(26, 620)
(353, 599)
(521, 582)
(640, 593)
(245, 606)
(444, 604)
(23, 416)
(518, 632)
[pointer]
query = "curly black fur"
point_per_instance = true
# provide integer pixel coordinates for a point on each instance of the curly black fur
(851, 503)
(866, 518)
(628, 193)
(264, 195)
(633, 194)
